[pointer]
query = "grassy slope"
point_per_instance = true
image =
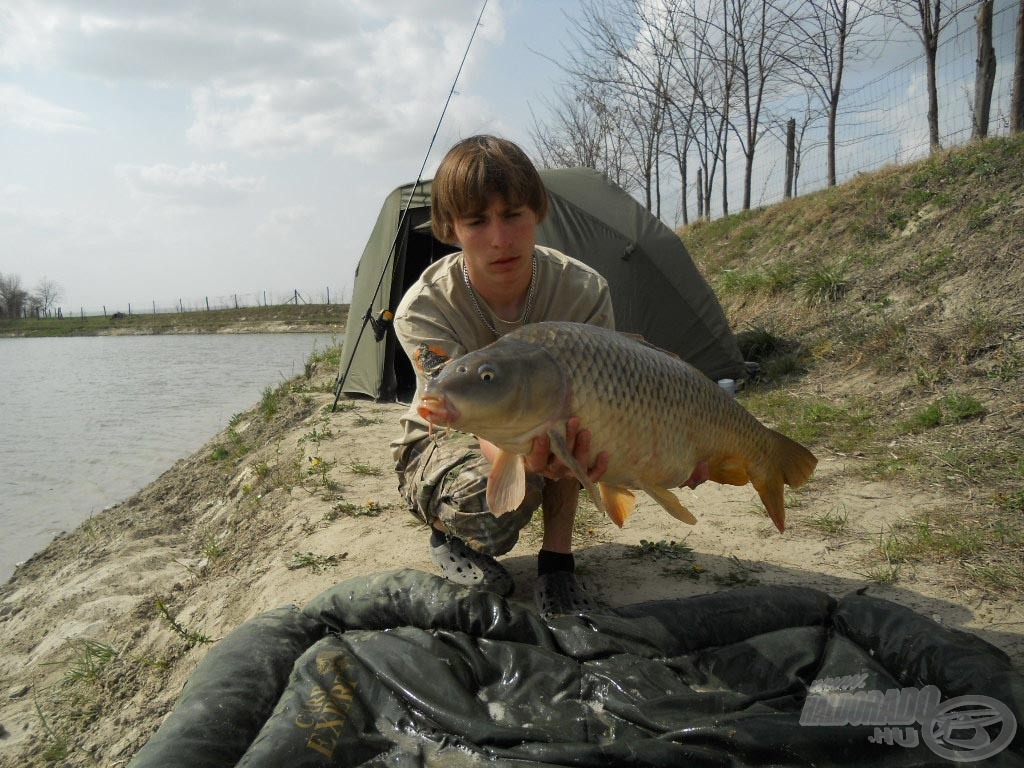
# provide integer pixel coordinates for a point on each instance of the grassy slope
(300, 318)
(888, 321)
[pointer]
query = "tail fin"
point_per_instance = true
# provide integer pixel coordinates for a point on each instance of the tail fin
(794, 464)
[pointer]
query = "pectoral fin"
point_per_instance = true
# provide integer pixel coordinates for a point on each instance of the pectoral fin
(506, 485)
(668, 500)
(561, 449)
(618, 502)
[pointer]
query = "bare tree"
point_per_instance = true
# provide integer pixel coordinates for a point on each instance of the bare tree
(928, 19)
(584, 130)
(702, 82)
(827, 38)
(12, 297)
(761, 56)
(48, 292)
(619, 48)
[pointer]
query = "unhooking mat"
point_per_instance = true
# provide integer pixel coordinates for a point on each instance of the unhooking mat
(403, 668)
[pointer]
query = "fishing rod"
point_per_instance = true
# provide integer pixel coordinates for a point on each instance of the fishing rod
(382, 322)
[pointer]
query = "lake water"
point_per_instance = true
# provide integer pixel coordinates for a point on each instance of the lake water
(86, 422)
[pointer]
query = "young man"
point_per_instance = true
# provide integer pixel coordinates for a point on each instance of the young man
(488, 198)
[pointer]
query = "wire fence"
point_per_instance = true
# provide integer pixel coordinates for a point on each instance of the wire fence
(882, 120)
(326, 295)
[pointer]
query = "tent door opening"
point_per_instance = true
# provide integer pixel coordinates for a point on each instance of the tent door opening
(419, 249)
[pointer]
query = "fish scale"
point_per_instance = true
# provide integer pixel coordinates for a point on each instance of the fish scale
(654, 415)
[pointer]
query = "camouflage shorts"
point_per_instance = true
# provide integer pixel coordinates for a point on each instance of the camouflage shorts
(445, 478)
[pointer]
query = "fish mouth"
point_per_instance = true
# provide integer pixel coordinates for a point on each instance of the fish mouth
(437, 410)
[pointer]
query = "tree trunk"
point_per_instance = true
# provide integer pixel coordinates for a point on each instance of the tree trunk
(790, 156)
(985, 75)
(1017, 102)
(700, 194)
(933, 102)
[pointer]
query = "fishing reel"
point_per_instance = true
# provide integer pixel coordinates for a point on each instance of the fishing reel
(381, 324)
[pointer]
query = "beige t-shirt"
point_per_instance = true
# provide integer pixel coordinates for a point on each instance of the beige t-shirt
(437, 320)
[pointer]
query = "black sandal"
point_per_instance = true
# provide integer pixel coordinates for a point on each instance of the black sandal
(462, 565)
(559, 592)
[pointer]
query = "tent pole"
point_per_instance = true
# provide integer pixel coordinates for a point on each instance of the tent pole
(386, 315)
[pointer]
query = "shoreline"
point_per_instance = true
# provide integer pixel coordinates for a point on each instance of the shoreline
(306, 498)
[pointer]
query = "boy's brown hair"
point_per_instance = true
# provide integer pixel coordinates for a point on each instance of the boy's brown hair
(475, 169)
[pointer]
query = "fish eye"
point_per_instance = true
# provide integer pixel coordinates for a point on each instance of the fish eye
(486, 372)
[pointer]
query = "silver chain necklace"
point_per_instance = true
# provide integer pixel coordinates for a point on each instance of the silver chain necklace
(529, 297)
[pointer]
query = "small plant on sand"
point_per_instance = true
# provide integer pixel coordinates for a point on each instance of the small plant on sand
(212, 549)
(314, 562)
(831, 522)
(90, 658)
(359, 468)
(740, 575)
(661, 550)
(348, 509)
(367, 421)
(189, 636)
(270, 403)
(320, 469)
(58, 747)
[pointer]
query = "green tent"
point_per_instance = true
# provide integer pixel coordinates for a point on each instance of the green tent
(656, 289)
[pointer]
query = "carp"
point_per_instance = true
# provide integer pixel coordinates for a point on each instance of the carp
(655, 415)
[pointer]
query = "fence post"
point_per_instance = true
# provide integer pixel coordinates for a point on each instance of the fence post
(328, 294)
(129, 309)
(207, 303)
(104, 310)
(236, 301)
(154, 306)
(985, 74)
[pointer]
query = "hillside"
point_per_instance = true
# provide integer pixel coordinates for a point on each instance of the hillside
(887, 317)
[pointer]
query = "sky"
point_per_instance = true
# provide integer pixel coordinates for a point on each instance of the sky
(158, 151)
(162, 151)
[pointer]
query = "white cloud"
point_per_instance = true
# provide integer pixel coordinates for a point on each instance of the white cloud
(20, 109)
(266, 76)
(192, 186)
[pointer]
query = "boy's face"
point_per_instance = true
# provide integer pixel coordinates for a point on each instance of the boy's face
(498, 241)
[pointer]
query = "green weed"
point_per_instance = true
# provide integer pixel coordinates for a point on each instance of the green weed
(314, 562)
(367, 421)
(824, 285)
(270, 403)
(58, 746)
(212, 549)
(191, 637)
(348, 509)
(661, 550)
(90, 658)
(359, 468)
(831, 522)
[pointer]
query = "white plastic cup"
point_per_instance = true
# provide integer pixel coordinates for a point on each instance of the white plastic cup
(729, 385)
